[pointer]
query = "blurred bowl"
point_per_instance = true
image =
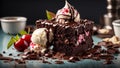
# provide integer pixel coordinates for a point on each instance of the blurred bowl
(13, 25)
(116, 26)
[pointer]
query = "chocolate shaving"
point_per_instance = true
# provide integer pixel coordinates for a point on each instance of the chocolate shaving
(4, 52)
(20, 61)
(1, 55)
(10, 54)
(44, 61)
(59, 62)
(6, 58)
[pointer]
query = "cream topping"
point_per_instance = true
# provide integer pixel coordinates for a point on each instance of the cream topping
(67, 13)
(39, 36)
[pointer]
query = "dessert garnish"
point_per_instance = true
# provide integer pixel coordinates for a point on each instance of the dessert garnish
(40, 38)
(20, 43)
(49, 15)
(67, 14)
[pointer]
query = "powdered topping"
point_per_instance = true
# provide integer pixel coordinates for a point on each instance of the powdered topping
(67, 14)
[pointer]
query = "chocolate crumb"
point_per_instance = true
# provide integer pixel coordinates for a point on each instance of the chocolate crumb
(48, 55)
(73, 61)
(44, 61)
(115, 58)
(20, 61)
(7, 61)
(6, 58)
(96, 58)
(1, 55)
(108, 62)
(111, 51)
(4, 52)
(10, 54)
(74, 58)
(59, 62)
(18, 54)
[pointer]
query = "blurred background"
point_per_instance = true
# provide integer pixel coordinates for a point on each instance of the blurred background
(36, 9)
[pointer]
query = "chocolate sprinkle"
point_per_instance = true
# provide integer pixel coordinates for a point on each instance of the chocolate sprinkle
(4, 52)
(10, 54)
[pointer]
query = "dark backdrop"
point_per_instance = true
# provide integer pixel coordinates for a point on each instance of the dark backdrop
(35, 9)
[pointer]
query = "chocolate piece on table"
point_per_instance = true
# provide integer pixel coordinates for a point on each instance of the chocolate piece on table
(59, 62)
(1, 55)
(108, 62)
(20, 61)
(6, 58)
(4, 52)
(10, 54)
(74, 58)
(44, 61)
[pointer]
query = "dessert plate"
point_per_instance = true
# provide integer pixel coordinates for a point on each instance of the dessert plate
(84, 63)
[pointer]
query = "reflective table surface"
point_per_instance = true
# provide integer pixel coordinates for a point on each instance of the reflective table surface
(85, 63)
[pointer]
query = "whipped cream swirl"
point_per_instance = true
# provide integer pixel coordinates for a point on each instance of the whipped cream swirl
(67, 14)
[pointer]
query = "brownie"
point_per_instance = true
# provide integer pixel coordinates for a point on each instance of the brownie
(72, 38)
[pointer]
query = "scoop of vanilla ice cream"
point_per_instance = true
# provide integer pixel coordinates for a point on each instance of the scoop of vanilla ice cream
(39, 36)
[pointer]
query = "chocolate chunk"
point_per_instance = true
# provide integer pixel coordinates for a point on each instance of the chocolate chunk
(18, 54)
(48, 55)
(103, 51)
(66, 57)
(106, 56)
(33, 56)
(20, 61)
(44, 61)
(115, 58)
(27, 51)
(1, 55)
(59, 55)
(108, 62)
(111, 51)
(4, 52)
(74, 58)
(96, 58)
(7, 61)
(73, 61)
(116, 46)
(96, 46)
(103, 43)
(59, 62)
(6, 58)
(10, 54)
(104, 35)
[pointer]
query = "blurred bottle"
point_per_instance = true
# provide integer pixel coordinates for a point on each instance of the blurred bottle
(113, 13)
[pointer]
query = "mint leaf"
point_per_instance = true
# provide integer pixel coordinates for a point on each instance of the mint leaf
(50, 15)
(22, 32)
(12, 41)
(17, 37)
